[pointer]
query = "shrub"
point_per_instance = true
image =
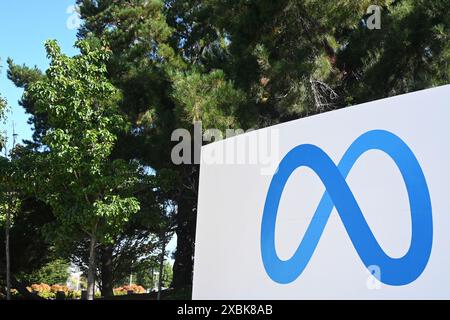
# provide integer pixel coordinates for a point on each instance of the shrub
(124, 289)
(40, 288)
(46, 291)
(56, 271)
(57, 287)
(73, 295)
(49, 292)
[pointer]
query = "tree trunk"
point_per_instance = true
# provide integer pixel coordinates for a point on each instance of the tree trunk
(91, 269)
(107, 271)
(185, 230)
(161, 265)
(8, 261)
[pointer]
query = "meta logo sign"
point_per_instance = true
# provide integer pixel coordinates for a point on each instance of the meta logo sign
(398, 271)
(357, 206)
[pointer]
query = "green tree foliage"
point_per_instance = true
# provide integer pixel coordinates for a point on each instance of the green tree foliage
(29, 248)
(206, 97)
(146, 276)
(87, 192)
(290, 53)
(409, 53)
(22, 77)
(3, 106)
(53, 272)
(4, 163)
(165, 86)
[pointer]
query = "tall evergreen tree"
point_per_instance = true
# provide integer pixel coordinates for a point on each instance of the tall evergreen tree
(255, 63)
(161, 81)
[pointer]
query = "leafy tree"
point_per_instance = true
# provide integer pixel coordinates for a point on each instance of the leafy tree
(5, 194)
(140, 227)
(53, 272)
(3, 106)
(9, 205)
(28, 246)
(129, 250)
(146, 274)
(86, 191)
(136, 242)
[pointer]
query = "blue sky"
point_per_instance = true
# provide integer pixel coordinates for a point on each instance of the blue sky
(24, 27)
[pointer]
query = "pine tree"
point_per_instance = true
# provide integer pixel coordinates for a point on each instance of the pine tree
(161, 83)
(271, 61)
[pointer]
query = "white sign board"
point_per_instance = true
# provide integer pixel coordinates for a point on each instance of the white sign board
(357, 206)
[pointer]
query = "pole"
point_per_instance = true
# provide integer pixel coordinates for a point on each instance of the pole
(10, 203)
(78, 282)
(8, 263)
(161, 265)
(153, 279)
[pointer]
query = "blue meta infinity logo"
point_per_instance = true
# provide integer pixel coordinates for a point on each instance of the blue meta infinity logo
(395, 271)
